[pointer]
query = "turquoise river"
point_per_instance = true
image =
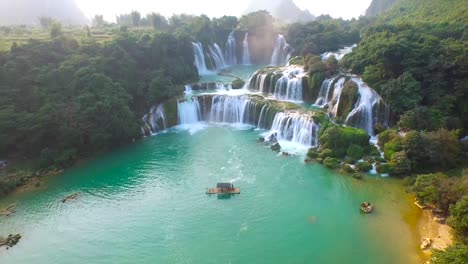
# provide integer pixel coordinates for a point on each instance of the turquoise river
(146, 203)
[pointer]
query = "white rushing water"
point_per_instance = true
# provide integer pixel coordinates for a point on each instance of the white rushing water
(154, 121)
(232, 110)
(189, 111)
(281, 52)
(230, 50)
(295, 128)
(339, 55)
(288, 87)
(364, 115)
(245, 50)
(199, 58)
(217, 55)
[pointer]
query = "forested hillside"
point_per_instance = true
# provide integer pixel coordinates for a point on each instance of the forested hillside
(283, 10)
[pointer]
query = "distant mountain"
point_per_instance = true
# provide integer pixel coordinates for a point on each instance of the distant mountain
(379, 6)
(27, 12)
(284, 10)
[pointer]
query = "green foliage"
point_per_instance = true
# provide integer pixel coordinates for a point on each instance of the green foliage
(55, 30)
(417, 65)
(312, 153)
(422, 118)
(400, 164)
(61, 101)
(355, 151)
(383, 168)
(347, 168)
(387, 136)
(326, 153)
(331, 163)
(392, 147)
(364, 166)
(324, 34)
(402, 94)
(339, 139)
(426, 188)
(455, 254)
(459, 218)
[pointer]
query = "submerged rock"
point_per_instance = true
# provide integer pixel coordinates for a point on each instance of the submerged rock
(10, 241)
(276, 147)
(426, 243)
(261, 139)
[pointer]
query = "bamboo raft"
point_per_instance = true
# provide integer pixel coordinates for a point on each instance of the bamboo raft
(223, 191)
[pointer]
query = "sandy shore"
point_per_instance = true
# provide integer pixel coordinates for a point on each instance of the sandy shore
(440, 234)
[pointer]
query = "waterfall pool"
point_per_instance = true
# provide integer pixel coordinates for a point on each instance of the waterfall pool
(146, 203)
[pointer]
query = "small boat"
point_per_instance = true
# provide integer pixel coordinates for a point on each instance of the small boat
(367, 207)
(224, 188)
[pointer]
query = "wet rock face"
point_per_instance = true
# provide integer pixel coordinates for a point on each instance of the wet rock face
(10, 241)
(348, 99)
(276, 147)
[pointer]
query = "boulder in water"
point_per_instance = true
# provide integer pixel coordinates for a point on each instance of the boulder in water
(261, 139)
(276, 147)
(10, 241)
(238, 84)
(426, 243)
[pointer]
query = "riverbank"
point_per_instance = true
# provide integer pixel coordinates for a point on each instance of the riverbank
(440, 234)
(18, 177)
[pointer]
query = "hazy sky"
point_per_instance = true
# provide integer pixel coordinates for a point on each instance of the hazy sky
(214, 8)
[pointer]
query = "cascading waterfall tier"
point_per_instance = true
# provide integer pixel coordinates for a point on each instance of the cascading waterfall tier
(365, 112)
(284, 84)
(281, 52)
(199, 58)
(245, 50)
(339, 55)
(217, 56)
(154, 121)
(233, 110)
(189, 111)
(230, 50)
(296, 128)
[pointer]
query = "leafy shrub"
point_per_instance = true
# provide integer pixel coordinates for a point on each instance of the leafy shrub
(456, 254)
(331, 163)
(354, 151)
(364, 166)
(326, 153)
(459, 217)
(400, 164)
(347, 168)
(383, 168)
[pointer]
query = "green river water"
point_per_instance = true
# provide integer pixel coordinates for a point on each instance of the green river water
(146, 203)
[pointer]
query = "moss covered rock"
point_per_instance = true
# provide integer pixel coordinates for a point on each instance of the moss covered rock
(364, 166)
(355, 151)
(238, 84)
(383, 168)
(331, 163)
(348, 99)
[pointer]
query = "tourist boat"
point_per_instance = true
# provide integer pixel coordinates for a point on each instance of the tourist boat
(224, 188)
(367, 207)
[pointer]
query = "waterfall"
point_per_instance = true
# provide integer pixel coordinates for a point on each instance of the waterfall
(289, 86)
(217, 56)
(339, 55)
(296, 128)
(245, 50)
(154, 121)
(230, 50)
(189, 111)
(281, 52)
(364, 115)
(232, 109)
(285, 85)
(262, 117)
(335, 101)
(199, 58)
(324, 93)
(188, 89)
